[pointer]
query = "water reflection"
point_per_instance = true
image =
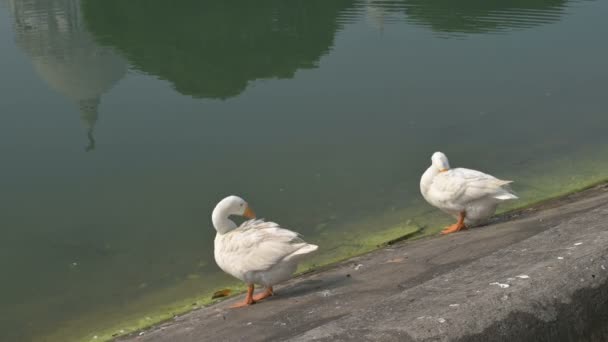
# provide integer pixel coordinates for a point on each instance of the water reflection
(336, 154)
(375, 14)
(64, 54)
(475, 16)
(212, 49)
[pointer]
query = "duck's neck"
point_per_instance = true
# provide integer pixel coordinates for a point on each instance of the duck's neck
(221, 222)
(427, 179)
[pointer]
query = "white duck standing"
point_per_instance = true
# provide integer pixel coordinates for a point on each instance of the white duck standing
(256, 252)
(469, 195)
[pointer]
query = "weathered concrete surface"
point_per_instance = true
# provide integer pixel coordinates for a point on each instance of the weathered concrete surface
(441, 289)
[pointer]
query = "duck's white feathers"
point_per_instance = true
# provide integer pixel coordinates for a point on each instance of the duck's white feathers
(257, 246)
(465, 190)
(457, 187)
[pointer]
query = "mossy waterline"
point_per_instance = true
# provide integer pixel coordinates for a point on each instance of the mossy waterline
(535, 183)
(328, 138)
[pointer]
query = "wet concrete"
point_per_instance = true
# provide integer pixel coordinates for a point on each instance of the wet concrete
(537, 275)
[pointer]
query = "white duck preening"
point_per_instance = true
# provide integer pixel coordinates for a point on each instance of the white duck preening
(469, 195)
(256, 252)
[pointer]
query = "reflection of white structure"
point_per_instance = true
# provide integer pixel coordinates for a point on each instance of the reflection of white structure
(375, 14)
(65, 55)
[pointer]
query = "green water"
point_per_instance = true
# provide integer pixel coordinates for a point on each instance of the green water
(122, 123)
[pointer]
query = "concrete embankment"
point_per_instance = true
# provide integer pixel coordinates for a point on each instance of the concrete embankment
(537, 275)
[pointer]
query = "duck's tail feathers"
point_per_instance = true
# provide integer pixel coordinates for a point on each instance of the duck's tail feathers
(506, 192)
(308, 248)
(506, 196)
(305, 249)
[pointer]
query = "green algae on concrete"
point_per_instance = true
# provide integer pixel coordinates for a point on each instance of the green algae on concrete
(354, 245)
(534, 183)
(118, 325)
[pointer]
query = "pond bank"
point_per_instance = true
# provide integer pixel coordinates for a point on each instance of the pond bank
(536, 274)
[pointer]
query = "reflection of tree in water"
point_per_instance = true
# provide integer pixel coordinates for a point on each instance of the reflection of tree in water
(214, 48)
(64, 54)
(478, 16)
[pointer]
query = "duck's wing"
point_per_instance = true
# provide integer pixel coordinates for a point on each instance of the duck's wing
(465, 185)
(258, 245)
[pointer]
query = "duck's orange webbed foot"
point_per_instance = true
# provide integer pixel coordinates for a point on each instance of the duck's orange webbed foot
(248, 300)
(267, 293)
(242, 304)
(456, 227)
(452, 229)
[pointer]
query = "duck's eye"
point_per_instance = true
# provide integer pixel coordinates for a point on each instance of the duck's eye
(241, 204)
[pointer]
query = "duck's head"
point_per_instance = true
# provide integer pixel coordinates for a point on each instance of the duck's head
(234, 205)
(229, 206)
(440, 161)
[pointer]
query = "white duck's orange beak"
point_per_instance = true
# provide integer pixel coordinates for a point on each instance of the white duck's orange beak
(443, 170)
(249, 213)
